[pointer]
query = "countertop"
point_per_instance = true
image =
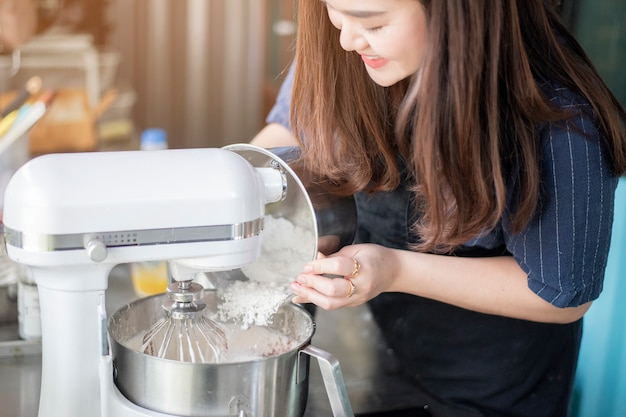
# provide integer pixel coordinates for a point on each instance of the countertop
(373, 383)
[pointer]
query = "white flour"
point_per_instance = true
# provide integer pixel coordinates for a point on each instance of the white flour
(253, 303)
(286, 247)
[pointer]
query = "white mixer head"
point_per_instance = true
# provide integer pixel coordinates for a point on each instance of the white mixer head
(203, 207)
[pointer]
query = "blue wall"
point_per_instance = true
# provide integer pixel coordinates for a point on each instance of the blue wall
(600, 388)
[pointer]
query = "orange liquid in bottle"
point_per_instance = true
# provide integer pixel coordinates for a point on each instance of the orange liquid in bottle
(149, 277)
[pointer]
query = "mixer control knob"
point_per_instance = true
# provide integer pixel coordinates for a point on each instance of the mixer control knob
(96, 249)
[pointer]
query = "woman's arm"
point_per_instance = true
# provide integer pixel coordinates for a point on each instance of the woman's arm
(493, 285)
(277, 132)
(274, 135)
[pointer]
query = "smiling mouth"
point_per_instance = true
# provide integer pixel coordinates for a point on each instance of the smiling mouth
(373, 61)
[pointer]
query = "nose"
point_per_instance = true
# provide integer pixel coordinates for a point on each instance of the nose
(351, 39)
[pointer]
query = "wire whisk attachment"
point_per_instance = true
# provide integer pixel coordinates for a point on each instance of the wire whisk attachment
(185, 333)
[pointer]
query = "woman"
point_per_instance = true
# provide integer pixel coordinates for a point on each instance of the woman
(484, 151)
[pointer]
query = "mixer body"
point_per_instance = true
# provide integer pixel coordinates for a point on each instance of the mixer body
(72, 217)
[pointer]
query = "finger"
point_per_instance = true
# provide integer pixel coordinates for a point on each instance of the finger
(356, 268)
(335, 265)
(330, 287)
(351, 288)
(327, 287)
(300, 300)
(309, 294)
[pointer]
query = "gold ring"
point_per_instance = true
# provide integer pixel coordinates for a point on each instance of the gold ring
(351, 290)
(357, 268)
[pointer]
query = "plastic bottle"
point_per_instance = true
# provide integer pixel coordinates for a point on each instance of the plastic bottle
(151, 277)
(14, 275)
(29, 312)
(8, 284)
(153, 139)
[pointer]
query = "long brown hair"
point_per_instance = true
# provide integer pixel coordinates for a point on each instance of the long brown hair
(465, 129)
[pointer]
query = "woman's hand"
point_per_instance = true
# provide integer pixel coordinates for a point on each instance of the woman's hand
(359, 273)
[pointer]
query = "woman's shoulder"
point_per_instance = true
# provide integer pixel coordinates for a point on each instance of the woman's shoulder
(579, 122)
(563, 97)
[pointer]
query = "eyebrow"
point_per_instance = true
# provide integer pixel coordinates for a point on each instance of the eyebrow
(362, 14)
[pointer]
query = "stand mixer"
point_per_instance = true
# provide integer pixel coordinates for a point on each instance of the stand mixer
(72, 217)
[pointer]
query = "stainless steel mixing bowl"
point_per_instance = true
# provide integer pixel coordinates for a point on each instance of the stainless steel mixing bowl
(271, 386)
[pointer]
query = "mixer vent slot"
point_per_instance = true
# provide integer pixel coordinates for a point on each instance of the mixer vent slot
(118, 239)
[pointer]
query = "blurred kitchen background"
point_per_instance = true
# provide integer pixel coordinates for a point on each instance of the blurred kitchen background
(207, 71)
(203, 70)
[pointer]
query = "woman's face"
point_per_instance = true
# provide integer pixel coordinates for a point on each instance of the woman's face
(390, 35)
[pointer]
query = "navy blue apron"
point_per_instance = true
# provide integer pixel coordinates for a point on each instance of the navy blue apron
(467, 363)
